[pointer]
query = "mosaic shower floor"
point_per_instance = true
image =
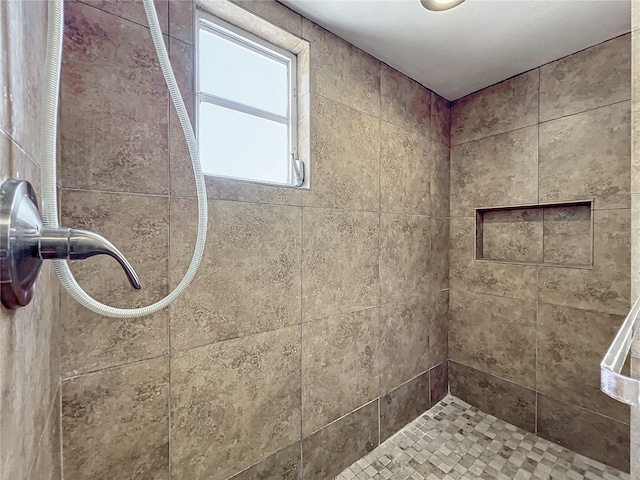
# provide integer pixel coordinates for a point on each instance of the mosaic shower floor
(454, 440)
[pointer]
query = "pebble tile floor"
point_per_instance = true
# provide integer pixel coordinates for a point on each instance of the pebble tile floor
(454, 440)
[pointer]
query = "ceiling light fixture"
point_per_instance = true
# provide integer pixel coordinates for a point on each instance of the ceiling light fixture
(439, 5)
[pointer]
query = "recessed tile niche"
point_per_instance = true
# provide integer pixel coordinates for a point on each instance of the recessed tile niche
(555, 234)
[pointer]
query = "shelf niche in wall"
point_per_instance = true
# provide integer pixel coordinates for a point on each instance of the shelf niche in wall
(553, 234)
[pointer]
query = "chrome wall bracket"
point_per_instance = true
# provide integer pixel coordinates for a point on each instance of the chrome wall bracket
(25, 244)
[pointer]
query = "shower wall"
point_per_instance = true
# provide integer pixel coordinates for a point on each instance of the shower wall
(317, 325)
(29, 337)
(527, 333)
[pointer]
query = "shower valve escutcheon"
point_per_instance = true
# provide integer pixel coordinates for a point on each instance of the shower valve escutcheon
(25, 243)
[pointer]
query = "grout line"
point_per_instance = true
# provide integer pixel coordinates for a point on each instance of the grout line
(74, 376)
(168, 260)
(341, 417)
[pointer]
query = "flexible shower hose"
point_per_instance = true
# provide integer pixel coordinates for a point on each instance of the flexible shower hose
(48, 135)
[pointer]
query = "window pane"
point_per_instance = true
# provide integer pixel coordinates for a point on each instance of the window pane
(235, 144)
(237, 73)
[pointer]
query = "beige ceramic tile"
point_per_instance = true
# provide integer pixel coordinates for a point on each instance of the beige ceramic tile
(592, 78)
(568, 235)
(107, 61)
(404, 102)
(342, 72)
(133, 10)
(328, 451)
(516, 281)
(139, 226)
(115, 423)
(256, 379)
(606, 288)
(635, 15)
(587, 156)
(439, 382)
(345, 150)
(635, 108)
(404, 340)
(181, 25)
(512, 235)
(440, 119)
(509, 105)
(249, 280)
(496, 335)
(584, 432)
(339, 366)
(635, 253)
(439, 257)
(403, 404)
(406, 166)
(495, 396)
(339, 262)
(571, 343)
(405, 256)
(275, 13)
(282, 465)
(500, 170)
(47, 464)
(440, 179)
(439, 330)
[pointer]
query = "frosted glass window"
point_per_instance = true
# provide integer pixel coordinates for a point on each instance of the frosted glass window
(246, 108)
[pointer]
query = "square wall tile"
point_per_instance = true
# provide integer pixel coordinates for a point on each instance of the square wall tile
(403, 404)
(339, 262)
(339, 366)
(511, 402)
(587, 156)
(568, 235)
(107, 61)
(256, 379)
(345, 151)
(440, 179)
(115, 423)
(501, 170)
(249, 279)
(591, 78)
(342, 72)
(404, 340)
(496, 335)
(139, 226)
(503, 107)
(404, 102)
(330, 450)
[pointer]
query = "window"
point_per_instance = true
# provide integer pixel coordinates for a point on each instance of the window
(246, 106)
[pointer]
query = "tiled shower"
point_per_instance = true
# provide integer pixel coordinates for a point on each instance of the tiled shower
(321, 321)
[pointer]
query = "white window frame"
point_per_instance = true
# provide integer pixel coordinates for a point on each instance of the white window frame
(228, 31)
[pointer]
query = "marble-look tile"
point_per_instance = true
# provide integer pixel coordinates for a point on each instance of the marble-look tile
(440, 179)
(133, 10)
(635, 106)
(115, 422)
(328, 451)
(635, 258)
(282, 465)
(506, 106)
(404, 340)
(440, 119)
(516, 281)
(256, 379)
(584, 432)
(494, 334)
(249, 279)
(635, 15)
(48, 461)
(342, 72)
(339, 366)
(568, 235)
(106, 62)
(345, 150)
(439, 329)
(496, 171)
(405, 256)
(439, 258)
(181, 25)
(591, 78)
(586, 156)
(439, 382)
(406, 166)
(605, 288)
(507, 401)
(404, 102)
(403, 404)
(139, 226)
(339, 262)
(571, 343)
(275, 13)
(513, 235)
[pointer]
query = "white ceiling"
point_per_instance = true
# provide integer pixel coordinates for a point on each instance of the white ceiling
(474, 45)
